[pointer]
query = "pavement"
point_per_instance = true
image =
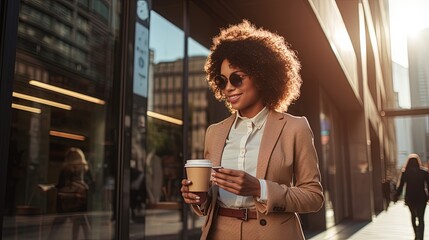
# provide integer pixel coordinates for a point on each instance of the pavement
(392, 224)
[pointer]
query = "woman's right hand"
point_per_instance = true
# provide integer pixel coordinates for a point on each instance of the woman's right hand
(190, 197)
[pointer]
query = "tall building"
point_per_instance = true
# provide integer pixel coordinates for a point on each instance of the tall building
(124, 82)
(418, 52)
(402, 124)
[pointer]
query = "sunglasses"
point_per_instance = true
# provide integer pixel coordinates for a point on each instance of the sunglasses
(235, 79)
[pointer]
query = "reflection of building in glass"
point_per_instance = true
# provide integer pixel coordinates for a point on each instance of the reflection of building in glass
(65, 50)
(59, 32)
(418, 52)
(167, 89)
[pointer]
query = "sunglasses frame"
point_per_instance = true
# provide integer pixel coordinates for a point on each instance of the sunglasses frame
(235, 79)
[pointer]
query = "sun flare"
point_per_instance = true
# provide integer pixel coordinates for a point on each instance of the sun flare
(407, 17)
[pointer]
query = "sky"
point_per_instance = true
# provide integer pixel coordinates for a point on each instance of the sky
(406, 18)
(167, 40)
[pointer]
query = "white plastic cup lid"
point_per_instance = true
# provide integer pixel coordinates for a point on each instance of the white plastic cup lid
(198, 163)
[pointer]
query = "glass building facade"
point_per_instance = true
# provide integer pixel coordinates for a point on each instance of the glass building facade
(66, 73)
(74, 86)
(123, 81)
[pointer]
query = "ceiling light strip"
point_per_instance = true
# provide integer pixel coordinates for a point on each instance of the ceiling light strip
(67, 135)
(67, 92)
(165, 118)
(42, 101)
(26, 108)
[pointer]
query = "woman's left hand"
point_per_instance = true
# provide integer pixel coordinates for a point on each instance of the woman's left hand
(237, 182)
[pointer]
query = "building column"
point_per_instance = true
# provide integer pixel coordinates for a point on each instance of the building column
(378, 173)
(360, 166)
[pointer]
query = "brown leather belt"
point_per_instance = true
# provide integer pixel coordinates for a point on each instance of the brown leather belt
(242, 213)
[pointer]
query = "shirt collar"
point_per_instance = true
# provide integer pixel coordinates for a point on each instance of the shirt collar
(258, 120)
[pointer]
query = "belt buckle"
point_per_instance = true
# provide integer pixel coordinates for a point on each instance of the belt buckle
(246, 213)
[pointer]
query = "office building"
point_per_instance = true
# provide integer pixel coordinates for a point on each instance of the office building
(419, 90)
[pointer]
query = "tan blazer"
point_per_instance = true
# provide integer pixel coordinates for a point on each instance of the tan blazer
(288, 161)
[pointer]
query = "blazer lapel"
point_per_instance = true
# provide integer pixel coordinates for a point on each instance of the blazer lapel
(220, 139)
(272, 131)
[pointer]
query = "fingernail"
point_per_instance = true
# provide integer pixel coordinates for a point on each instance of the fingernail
(188, 182)
(197, 198)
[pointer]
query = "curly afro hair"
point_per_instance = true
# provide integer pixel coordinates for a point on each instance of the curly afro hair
(263, 55)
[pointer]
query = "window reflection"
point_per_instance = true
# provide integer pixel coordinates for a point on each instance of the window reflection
(164, 131)
(71, 47)
(331, 157)
(164, 167)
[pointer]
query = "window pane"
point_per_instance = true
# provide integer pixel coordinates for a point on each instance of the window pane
(101, 8)
(62, 164)
(164, 134)
(204, 109)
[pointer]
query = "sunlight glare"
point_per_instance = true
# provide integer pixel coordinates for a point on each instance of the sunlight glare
(406, 18)
(412, 16)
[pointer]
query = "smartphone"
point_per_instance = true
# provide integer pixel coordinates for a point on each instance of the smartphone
(217, 168)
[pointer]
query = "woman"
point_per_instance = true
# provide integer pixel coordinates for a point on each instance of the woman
(416, 180)
(72, 194)
(270, 168)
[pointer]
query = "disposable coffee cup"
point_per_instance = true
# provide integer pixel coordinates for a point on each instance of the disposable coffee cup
(198, 171)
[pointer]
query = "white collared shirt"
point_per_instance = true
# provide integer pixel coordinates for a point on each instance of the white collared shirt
(241, 153)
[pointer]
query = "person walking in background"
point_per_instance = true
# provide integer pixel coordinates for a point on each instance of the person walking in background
(270, 164)
(72, 194)
(416, 179)
(388, 188)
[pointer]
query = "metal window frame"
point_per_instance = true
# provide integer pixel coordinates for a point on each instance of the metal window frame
(124, 128)
(185, 109)
(9, 11)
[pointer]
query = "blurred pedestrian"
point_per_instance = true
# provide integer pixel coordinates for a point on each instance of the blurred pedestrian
(270, 169)
(72, 194)
(416, 179)
(388, 189)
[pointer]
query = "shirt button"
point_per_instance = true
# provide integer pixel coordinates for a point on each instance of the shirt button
(263, 222)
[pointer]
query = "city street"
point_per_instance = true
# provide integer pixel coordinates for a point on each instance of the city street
(392, 224)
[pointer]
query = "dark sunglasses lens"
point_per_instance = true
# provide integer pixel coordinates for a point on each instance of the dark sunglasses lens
(220, 81)
(235, 80)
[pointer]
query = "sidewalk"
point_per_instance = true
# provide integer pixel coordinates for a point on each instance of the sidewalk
(392, 224)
